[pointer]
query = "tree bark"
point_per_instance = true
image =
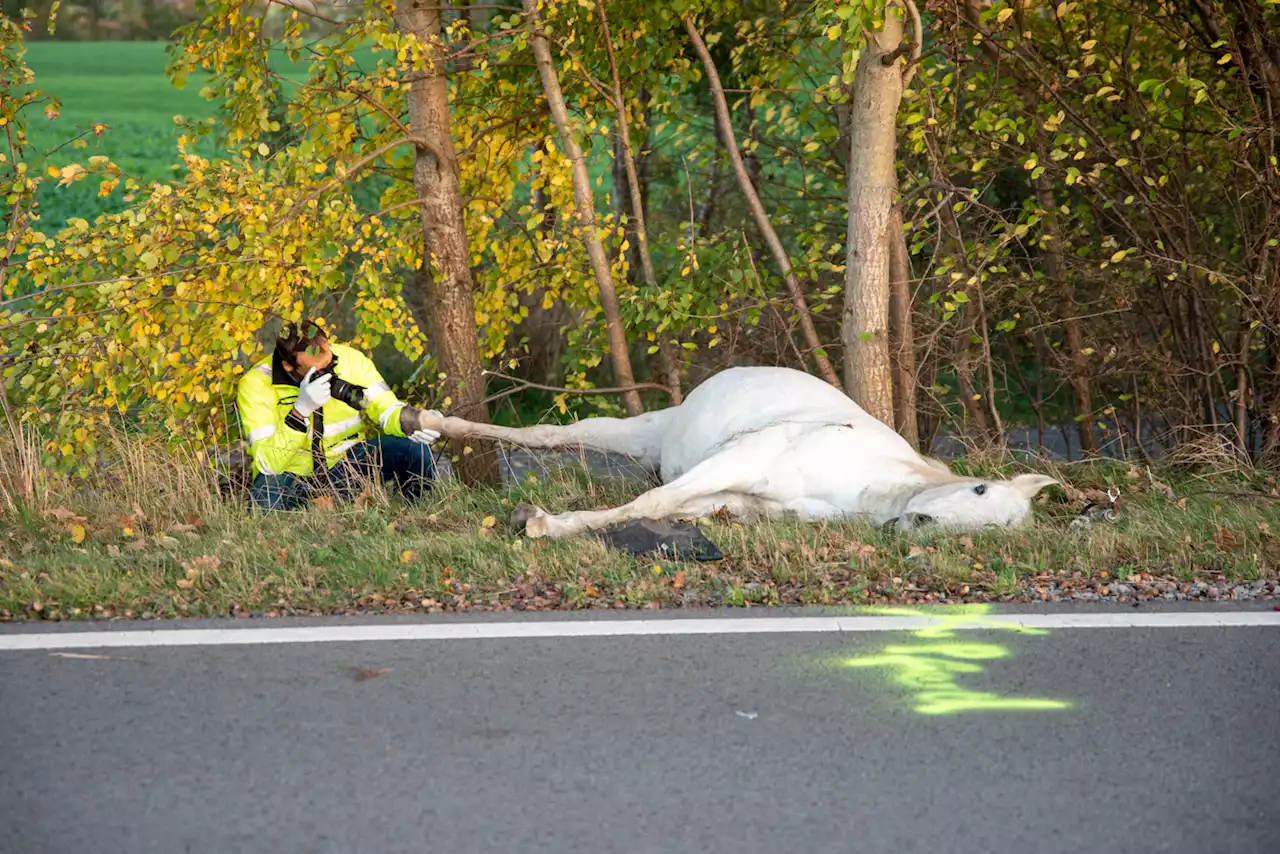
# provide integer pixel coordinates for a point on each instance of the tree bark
(902, 339)
(757, 209)
(873, 183)
(666, 352)
(1077, 362)
(962, 358)
(707, 207)
(448, 299)
(585, 207)
(543, 327)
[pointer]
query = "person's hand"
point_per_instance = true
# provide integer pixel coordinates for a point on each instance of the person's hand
(312, 394)
(427, 437)
(424, 437)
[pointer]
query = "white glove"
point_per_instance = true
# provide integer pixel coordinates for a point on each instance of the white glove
(427, 437)
(424, 437)
(312, 394)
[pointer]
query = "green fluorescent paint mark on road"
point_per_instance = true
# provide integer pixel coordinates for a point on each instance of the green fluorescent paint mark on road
(931, 669)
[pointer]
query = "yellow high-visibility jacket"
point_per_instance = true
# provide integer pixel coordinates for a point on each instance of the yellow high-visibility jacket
(279, 441)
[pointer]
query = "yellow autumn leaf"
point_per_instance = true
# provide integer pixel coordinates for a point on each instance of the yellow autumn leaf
(407, 556)
(1005, 14)
(77, 533)
(488, 522)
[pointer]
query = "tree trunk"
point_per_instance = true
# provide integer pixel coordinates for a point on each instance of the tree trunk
(585, 207)
(94, 10)
(1269, 403)
(543, 326)
(635, 210)
(1077, 362)
(1243, 339)
(622, 209)
(707, 207)
(757, 210)
(449, 301)
(962, 358)
(877, 91)
(752, 160)
(902, 339)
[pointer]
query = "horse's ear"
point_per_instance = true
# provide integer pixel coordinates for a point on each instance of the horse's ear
(1030, 484)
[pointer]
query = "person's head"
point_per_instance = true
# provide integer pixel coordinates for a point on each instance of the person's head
(302, 346)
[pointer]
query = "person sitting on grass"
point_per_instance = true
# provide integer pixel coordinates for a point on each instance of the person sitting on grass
(303, 410)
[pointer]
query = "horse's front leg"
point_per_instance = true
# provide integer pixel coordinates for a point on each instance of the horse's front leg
(639, 438)
(733, 479)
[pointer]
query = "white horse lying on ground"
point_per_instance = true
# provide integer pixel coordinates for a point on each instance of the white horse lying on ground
(763, 441)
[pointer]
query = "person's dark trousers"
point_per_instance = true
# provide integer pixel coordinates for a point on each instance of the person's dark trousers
(387, 458)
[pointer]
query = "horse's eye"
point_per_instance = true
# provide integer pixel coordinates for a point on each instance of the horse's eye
(980, 489)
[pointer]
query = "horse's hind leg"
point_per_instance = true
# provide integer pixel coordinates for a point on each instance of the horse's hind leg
(639, 438)
(734, 479)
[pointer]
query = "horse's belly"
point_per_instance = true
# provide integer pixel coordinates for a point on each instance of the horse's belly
(745, 400)
(818, 471)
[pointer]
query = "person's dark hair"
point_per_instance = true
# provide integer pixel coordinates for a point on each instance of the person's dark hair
(295, 338)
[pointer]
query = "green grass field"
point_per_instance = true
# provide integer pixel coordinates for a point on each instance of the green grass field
(124, 85)
(120, 84)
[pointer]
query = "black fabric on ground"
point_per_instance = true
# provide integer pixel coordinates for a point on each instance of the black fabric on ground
(667, 540)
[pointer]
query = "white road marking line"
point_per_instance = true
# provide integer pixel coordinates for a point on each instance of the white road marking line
(448, 631)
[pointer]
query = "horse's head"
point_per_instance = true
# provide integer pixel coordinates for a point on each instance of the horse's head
(971, 504)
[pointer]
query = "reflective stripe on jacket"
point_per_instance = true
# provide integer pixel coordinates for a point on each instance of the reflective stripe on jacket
(265, 397)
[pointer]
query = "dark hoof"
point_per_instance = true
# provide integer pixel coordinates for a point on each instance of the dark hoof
(520, 517)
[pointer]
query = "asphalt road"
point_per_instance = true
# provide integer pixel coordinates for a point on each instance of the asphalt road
(1152, 740)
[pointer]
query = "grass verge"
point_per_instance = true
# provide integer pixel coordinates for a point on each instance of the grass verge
(152, 538)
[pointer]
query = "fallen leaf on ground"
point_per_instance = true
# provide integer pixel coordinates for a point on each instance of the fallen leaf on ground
(488, 522)
(362, 675)
(324, 502)
(181, 528)
(62, 514)
(77, 533)
(407, 556)
(202, 563)
(136, 545)
(678, 581)
(113, 550)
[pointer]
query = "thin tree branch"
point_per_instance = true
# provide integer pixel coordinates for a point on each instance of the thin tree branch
(757, 209)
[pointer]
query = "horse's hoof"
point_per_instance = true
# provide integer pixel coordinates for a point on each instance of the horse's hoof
(521, 518)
